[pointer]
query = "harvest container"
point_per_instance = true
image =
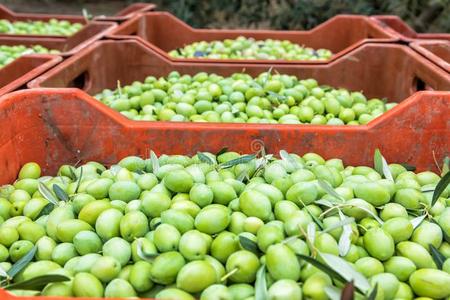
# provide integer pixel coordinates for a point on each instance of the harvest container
(404, 32)
(164, 32)
(53, 127)
(67, 46)
(437, 51)
(392, 71)
(128, 12)
(18, 73)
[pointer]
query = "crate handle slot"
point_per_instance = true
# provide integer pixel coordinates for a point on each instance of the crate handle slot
(82, 81)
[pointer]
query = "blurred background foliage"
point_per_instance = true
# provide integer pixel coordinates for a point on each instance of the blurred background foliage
(423, 15)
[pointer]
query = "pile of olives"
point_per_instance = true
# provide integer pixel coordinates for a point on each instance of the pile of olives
(9, 53)
(240, 98)
(226, 226)
(249, 48)
(51, 27)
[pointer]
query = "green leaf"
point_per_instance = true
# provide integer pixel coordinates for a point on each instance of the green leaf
(323, 267)
(142, 254)
(340, 224)
(381, 165)
(222, 151)
(79, 180)
(374, 215)
(311, 232)
(60, 193)
(37, 283)
(315, 219)
(46, 210)
(47, 194)
(438, 257)
(417, 220)
(344, 240)
(248, 244)
(243, 176)
(261, 284)
(445, 166)
(346, 270)
(333, 292)
(205, 158)
(155, 162)
(373, 294)
(408, 167)
(73, 176)
(348, 293)
(289, 160)
(241, 160)
(3, 273)
(440, 188)
(22, 263)
(329, 189)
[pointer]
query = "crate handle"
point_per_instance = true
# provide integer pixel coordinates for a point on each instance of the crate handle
(82, 81)
(418, 84)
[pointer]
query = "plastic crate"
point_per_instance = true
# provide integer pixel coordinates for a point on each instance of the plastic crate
(391, 71)
(164, 32)
(404, 32)
(69, 46)
(17, 74)
(437, 51)
(128, 12)
(53, 127)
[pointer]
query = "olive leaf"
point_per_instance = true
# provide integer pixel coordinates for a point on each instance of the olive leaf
(440, 187)
(79, 180)
(3, 273)
(323, 267)
(445, 166)
(343, 268)
(329, 189)
(155, 162)
(315, 219)
(243, 176)
(37, 283)
(438, 257)
(311, 232)
(340, 224)
(60, 193)
(205, 158)
(46, 210)
(222, 151)
(261, 284)
(289, 159)
(344, 240)
(373, 294)
(333, 292)
(119, 88)
(408, 167)
(381, 165)
(371, 213)
(348, 293)
(248, 244)
(141, 253)
(241, 160)
(22, 262)
(324, 203)
(73, 176)
(417, 220)
(47, 194)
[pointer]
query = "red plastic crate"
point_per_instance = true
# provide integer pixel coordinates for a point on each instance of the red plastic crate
(128, 12)
(437, 51)
(164, 32)
(404, 32)
(53, 127)
(17, 74)
(392, 71)
(69, 46)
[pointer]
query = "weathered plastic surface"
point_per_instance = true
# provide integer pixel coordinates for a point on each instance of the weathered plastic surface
(67, 46)
(17, 74)
(437, 51)
(391, 71)
(53, 127)
(164, 32)
(404, 32)
(128, 12)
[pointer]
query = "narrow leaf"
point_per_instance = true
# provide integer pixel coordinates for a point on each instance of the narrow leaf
(340, 224)
(418, 220)
(243, 176)
(438, 257)
(261, 284)
(373, 294)
(381, 165)
(445, 166)
(47, 194)
(348, 293)
(205, 158)
(311, 232)
(22, 263)
(344, 240)
(333, 292)
(222, 151)
(3, 273)
(440, 188)
(289, 159)
(79, 180)
(46, 210)
(37, 283)
(369, 212)
(155, 162)
(329, 189)
(248, 244)
(346, 270)
(73, 176)
(408, 167)
(142, 254)
(60, 193)
(324, 203)
(315, 219)
(323, 267)
(241, 160)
